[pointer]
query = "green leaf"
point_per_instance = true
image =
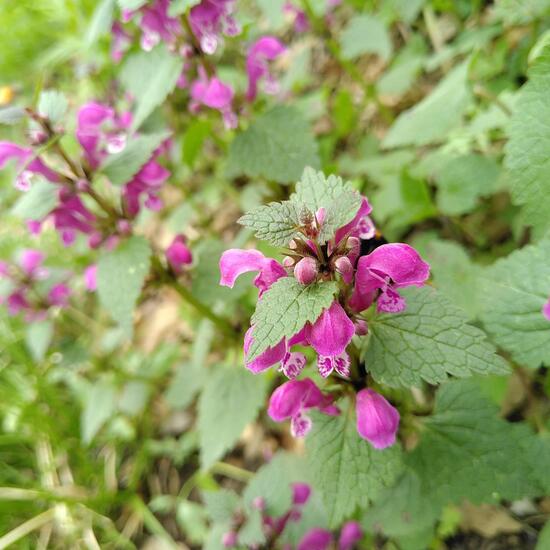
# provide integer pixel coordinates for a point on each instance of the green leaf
(121, 167)
(221, 505)
(435, 116)
(465, 179)
(101, 22)
(276, 222)
(345, 468)
(177, 7)
(543, 541)
(284, 310)
(131, 4)
(99, 405)
(37, 202)
(514, 291)
(520, 12)
(465, 440)
(11, 115)
(340, 200)
(278, 145)
(366, 34)
(52, 105)
(526, 153)
(120, 276)
(150, 77)
(428, 341)
(193, 140)
(191, 518)
(231, 400)
(38, 337)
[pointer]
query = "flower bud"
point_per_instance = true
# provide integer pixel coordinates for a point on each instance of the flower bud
(178, 254)
(361, 327)
(90, 277)
(59, 295)
(345, 268)
(288, 261)
(229, 539)
(306, 270)
(320, 216)
(259, 504)
(124, 227)
(377, 420)
(350, 535)
(300, 493)
(353, 246)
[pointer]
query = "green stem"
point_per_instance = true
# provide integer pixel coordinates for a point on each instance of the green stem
(187, 295)
(152, 523)
(25, 528)
(234, 472)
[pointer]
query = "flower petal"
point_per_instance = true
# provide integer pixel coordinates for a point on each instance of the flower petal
(332, 332)
(377, 419)
(235, 262)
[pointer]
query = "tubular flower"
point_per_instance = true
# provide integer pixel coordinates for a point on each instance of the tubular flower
(263, 50)
(178, 254)
(28, 164)
(293, 399)
(377, 420)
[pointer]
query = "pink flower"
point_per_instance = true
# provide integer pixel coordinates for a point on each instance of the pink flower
(31, 264)
(120, 41)
(387, 268)
(356, 227)
(209, 20)
(350, 535)
(213, 93)
(306, 270)
(300, 493)
(146, 183)
(59, 295)
(90, 278)
(293, 399)
(70, 217)
(230, 539)
(330, 336)
(263, 50)
(301, 22)
(27, 164)
(235, 262)
(291, 363)
(377, 420)
(178, 254)
(316, 539)
(546, 309)
(17, 301)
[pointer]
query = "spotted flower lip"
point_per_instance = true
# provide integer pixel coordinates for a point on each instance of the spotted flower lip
(377, 419)
(293, 399)
(546, 309)
(265, 49)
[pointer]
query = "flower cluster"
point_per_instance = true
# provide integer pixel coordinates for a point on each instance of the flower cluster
(100, 133)
(29, 287)
(274, 527)
(366, 278)
(192, 37)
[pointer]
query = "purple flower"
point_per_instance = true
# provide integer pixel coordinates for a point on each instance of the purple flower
(178, 254)
(377, 420)
(293, 399)
(387, 268)
(300, 493)
(30, 262)
(209, 20)
(17, 302)
(59, 295)
(146, 183)
(27, 164)
(356, 227)
(291, 363)
(70, 217)
(316, 539)
(301, 22)
(350, 534)
(330, 336)
(235, 262)
(546, 309)
(263, 50)
(90, 278)
(213, 93)
(120, 41)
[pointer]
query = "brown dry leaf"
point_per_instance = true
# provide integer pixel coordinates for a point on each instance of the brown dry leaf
(488, 521)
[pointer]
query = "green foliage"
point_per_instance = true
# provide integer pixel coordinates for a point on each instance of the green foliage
(339, 200)
(276, 223)
(38, 337)
(526, 158)
(230, 401)
(150, 77)
(446, 104)
(120, 276)
(121, 167)
(428, 341)
(52, 105)
(284, 310)
(38, 202)
(347, 470)
(514, 291)
(366, 34)
(101, 21)
(277, 146)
